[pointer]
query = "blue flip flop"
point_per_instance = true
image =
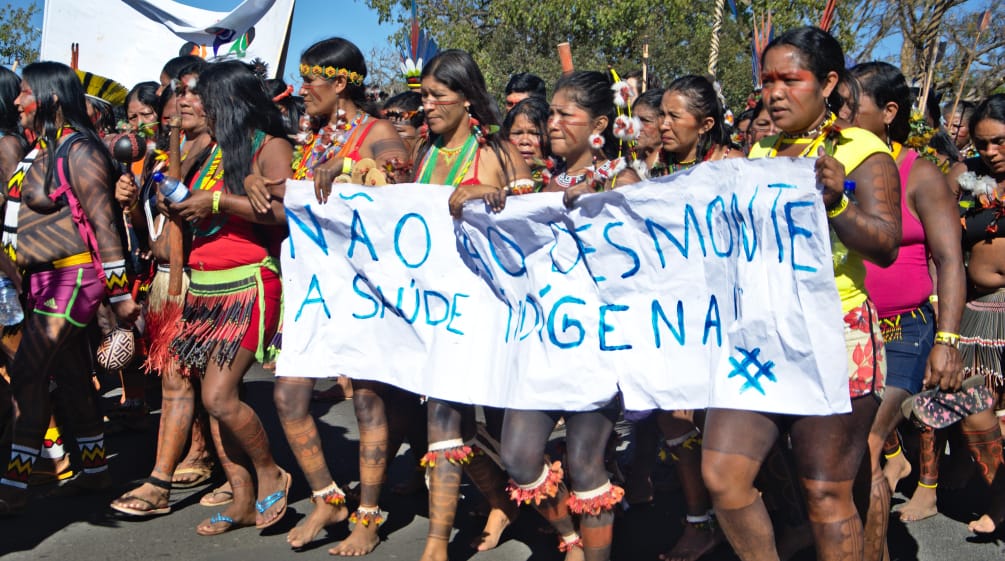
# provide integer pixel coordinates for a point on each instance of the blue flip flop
(270, 501)
(217, 519)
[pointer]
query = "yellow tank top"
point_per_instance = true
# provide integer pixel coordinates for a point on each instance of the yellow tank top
(855, 146)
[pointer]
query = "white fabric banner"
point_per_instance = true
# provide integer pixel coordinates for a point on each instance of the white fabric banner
(130, 40)
(713, 287)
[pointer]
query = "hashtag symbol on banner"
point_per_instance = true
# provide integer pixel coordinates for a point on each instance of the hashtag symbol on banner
(751, 369)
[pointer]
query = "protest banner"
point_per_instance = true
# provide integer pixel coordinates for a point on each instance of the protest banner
(710, 288)
(131, 39)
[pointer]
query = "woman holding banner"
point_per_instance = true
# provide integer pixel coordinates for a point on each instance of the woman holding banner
(232, 306)
(802, 69)
(462, 151)
(342, 133)
(580, 129)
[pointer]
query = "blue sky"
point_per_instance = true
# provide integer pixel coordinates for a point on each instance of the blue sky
(313, 20)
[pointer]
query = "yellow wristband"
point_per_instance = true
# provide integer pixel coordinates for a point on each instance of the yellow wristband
(217, 195)
(934, 299)
(347, 166)
(947, 338)
(840, 208)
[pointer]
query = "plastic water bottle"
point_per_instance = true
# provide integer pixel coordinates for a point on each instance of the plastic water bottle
(173, 189)
(849, 189)
(10, 306)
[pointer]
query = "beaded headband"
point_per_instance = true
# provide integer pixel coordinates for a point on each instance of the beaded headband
(330, 72)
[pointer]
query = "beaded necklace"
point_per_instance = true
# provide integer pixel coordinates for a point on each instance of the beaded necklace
(325, 144)
(460, 168)
(819, 134)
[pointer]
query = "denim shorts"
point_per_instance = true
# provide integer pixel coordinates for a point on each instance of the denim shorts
(909, 338)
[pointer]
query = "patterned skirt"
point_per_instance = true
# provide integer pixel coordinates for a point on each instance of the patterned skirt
(982, 339)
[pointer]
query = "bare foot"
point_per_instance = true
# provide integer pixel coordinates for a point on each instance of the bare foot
(693, 543)
(896, 468)
(361, 541)
(983, 525)
(921, 506)
(497, 523)
(575, 554)
(323, 515)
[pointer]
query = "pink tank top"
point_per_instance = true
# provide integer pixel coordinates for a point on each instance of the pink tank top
(906, 284)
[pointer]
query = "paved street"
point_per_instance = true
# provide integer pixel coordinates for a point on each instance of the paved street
(83, 528)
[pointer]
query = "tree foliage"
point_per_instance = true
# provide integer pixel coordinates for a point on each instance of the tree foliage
(18, 39)
(507, 36)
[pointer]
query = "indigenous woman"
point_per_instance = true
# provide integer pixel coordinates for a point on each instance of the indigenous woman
(579, 127)
(982, 194)
(902, 291)
(333, 71)
(692, 131)
(688, 127)
(959, 128)
(179, 412)
(404, 111)
(801, 71)
(462, 152)
(59, 197)
(649, 145)
(526, 127)
(232, 306)
(760, 126)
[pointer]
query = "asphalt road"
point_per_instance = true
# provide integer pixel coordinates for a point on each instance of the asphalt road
(83, 528)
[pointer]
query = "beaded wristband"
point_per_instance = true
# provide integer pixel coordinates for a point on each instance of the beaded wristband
(217, 195)
(840, 208)
(947, 338)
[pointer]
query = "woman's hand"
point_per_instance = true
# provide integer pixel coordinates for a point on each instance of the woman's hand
(830, 174)
(496, 200)
(944, 369)
(259, 191)
(573, 193)
(324, 176)
(126, 192)
(465, 193)
(196, 208)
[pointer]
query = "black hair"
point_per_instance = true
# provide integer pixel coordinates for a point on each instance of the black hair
(942, 143)
(456, 70)
(407, 101)
(58, 92)
(536, 110)
(964, 108)
(172, 68)
(592, 91)
(237, 107)
(748, 114)
(146, 93)
(702, 102)
(991, 108)
(884, 83)
(820, 51)
(651, 82)
(10, 88)
(652, 98)
(291, 107)
(525, 82)
(341, 53)
(196, 67)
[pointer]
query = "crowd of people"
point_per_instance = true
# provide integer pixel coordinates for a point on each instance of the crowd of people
(92, 240)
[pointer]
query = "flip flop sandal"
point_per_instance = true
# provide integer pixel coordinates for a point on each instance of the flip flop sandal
(201, 471)
(219, 518)
(152, 508)
(206, 500)
(270, 501)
